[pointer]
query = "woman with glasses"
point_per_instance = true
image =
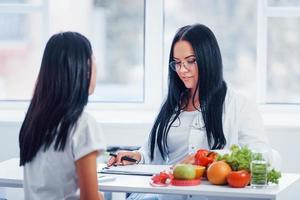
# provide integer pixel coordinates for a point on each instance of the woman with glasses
(200, 111)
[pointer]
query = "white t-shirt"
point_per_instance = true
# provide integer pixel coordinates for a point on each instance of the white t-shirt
(176, 137)
(52, 174)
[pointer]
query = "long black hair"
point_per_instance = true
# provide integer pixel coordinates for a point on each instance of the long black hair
(60, 94)
(211, 86)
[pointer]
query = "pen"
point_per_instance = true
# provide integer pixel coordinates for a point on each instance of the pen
(124, 157)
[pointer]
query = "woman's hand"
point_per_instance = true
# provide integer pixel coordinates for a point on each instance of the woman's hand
(117, 160)
(190, 159)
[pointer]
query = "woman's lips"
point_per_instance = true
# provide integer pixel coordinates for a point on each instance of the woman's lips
(186, 78)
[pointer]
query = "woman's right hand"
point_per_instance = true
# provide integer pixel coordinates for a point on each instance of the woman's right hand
(190, 159)
(117, 160)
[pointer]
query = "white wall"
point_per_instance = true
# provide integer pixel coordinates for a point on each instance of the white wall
(9, 146)
(284, 139)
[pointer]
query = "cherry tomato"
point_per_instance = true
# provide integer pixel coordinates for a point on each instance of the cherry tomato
(161, 178)
(156, 179)
(238, 179)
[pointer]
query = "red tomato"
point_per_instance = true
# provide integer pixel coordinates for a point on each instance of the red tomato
(238, 179)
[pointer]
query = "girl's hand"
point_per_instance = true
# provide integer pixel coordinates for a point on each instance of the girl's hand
(101, 197)
(190, 159)
(117, 160)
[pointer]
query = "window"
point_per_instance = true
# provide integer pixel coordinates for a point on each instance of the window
(284, 3)
(118, 42)
(234, 25)
(21, 37)
(283, 49)
(283, 60)
(114, 27)
(258, 40)
(131, 41)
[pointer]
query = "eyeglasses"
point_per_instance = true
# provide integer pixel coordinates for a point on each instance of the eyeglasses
(176, 66)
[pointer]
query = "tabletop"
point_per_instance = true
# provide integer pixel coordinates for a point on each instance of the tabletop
(11, 175)
(289, 183)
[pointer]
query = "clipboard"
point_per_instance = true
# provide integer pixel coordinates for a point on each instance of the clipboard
(141, 169)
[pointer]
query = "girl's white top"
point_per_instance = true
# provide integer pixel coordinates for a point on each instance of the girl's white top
(52, 174)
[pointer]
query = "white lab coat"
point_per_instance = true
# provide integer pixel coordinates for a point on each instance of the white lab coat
(242, 125)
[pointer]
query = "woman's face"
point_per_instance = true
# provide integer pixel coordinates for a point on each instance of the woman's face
(93, 76)
(184, 56)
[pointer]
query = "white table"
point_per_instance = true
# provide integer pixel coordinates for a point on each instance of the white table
(11, 175)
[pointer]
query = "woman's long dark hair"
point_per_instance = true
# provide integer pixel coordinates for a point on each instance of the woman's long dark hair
(211, 86)
(60, 94)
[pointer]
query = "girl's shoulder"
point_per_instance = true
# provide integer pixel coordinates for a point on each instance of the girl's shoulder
(86, 119)
(86, 124)
(87, 137)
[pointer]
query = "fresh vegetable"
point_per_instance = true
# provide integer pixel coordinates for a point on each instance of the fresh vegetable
(217, 172)
(162, 178)
(201, 153)
(204, 157)
(238, 179)
(240, 159)
(273, 176)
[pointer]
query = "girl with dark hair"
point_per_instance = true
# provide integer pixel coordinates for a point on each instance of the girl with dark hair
(200, 110)
(59, 142)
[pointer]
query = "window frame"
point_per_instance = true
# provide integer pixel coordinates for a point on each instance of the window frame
(153, 68)
(274, 114)
(29, 8)
(264, 12)
(18, 106)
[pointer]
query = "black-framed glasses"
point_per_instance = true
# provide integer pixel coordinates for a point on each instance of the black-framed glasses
(188, 64)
